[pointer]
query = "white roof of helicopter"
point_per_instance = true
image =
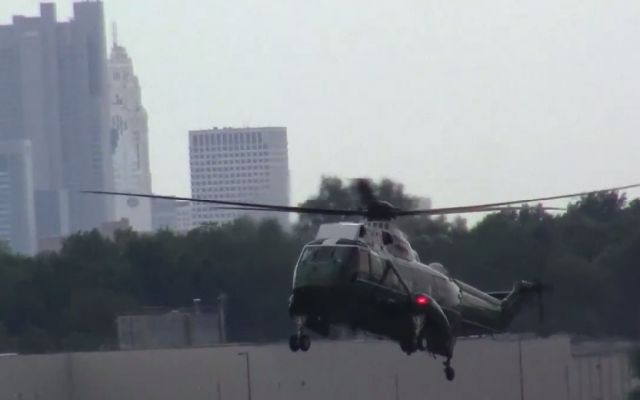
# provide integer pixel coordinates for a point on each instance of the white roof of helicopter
(330, 233)
(339, 230)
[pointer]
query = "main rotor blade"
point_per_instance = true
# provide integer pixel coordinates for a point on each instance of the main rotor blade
(244, 205)
(511, 208)
(483, 207)
(489, 209)
(462, 210)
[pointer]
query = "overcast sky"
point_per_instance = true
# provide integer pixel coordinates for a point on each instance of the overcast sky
(462, 101)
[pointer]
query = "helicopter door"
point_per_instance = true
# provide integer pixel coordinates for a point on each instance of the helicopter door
(390, 278)
(364, 266)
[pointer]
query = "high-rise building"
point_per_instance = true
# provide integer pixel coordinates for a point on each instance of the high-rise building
(171, 215)
(84, 115)
(164, 214)
(184, 216)
(238, 164)
(53, 92)
(17, 215)
(129, 140)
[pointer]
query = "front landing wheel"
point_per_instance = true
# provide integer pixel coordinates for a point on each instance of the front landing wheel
(294, 343)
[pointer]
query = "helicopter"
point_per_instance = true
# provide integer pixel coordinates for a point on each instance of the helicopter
(366, 276)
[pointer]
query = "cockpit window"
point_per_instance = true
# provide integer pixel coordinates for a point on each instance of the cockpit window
(328, 254)
(326, 265)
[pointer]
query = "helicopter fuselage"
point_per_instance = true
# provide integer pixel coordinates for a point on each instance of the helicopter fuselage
(367, 277)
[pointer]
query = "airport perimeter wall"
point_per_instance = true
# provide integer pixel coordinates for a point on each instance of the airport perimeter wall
(491, 369)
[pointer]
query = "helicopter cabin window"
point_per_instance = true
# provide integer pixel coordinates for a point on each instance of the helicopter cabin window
(362, 231)
(387, 239)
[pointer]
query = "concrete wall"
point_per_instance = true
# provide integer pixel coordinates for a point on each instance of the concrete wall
(168, 330)
(35, 377)
(486, 369)
(599, 371)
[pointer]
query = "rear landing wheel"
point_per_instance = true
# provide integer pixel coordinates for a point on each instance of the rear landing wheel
(450, 373)
(294, 343)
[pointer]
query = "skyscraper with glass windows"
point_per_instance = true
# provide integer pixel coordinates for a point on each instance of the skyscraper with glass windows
(53, 93)
(17, 215)
(239, 164)
(53, 84)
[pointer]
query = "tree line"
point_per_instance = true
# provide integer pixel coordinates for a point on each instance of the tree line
(68, 300)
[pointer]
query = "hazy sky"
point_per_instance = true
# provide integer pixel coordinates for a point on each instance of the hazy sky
(462, 101)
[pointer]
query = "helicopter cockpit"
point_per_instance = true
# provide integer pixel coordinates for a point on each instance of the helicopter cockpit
(326, 265)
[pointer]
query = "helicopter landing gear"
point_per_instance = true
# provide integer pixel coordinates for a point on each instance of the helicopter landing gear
(294, 343)
(421, 342)
(417, 339)
(302, 342)
(449, 372)
(305, 342)
(408, 346)
(299, 340)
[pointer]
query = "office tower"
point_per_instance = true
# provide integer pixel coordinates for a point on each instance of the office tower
(84, 115)
(238, 164)
(171, 215)
(53, 92)
(184, 213)
(17, 215)
(129, 140)
(164, 214)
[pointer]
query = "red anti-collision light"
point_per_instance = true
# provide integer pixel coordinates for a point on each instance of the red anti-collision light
(422, 300)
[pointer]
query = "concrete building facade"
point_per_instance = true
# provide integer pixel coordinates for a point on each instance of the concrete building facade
(53, 92)
(238, 164)
(129, 140)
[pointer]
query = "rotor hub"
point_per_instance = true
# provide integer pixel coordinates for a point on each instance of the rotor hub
(381, 211)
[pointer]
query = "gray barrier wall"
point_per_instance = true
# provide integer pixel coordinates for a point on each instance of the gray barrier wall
(491, 369)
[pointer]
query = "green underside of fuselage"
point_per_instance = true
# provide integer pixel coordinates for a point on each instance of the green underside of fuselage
(331, 287)
(380, 310)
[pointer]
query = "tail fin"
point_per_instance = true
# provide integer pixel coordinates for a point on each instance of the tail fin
(521, 293)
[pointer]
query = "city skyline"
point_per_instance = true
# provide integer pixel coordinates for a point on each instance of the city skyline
(54, 98)
(460, 102)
